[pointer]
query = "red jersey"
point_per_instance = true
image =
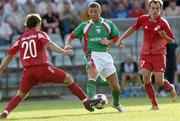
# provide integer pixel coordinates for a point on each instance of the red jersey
(32, 47)
(153, 43)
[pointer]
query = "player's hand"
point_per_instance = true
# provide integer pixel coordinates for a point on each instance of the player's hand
(162, 33)
(67, 47)
(121, 44)
(104, 41)
(67, 52)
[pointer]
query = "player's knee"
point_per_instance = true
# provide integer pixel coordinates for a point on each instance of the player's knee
(22, 95)
(159, 83)
(146, 79)
(68, 80)
(92, 76)
(92, 73)
(115, 87)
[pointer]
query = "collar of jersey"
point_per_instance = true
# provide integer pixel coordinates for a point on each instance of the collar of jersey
(32, 29)
(156, 18)
(101, 20)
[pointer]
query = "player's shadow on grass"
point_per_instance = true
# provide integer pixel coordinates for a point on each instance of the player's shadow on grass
(59, 116)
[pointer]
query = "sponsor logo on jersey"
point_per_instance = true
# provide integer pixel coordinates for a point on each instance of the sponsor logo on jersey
(98, 26)
(98, 31)
(29, 37)
(97, 39)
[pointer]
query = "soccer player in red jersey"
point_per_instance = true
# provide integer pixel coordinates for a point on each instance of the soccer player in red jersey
(36, 67)
(157, 34)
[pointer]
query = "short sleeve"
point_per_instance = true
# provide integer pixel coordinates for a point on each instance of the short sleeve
(78, 31)
(168, 30)
(114, 31)
(138, 23)
(43, 37)
(14, 48)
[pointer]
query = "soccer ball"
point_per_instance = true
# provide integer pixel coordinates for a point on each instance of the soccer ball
(103, 103)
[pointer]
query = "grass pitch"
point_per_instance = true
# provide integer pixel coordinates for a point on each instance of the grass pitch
(137, 109)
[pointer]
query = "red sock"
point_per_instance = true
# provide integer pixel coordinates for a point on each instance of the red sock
(167, 85)
(13, 103)
(151, 93)
(76, 90)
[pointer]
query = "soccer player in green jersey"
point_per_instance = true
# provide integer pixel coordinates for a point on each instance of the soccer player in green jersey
(98, 33)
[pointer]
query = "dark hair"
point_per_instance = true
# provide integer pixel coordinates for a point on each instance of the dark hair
(93, 5)
(32, 21)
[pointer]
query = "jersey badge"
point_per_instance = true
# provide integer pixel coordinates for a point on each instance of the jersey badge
(157, 28)
(98, 31)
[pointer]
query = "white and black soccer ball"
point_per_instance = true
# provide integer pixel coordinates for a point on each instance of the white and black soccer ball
(104, 101)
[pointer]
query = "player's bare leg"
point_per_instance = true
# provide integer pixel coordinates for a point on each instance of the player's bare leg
(115, 87)
(13, 103)
(77, 91)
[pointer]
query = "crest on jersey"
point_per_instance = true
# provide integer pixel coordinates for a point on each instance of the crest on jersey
(157, 28)
(98, 30)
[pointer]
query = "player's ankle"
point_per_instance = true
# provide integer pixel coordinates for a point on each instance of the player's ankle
(5, 111)
(84, 100)
(115, 104)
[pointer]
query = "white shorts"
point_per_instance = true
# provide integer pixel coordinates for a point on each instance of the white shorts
(104, 63)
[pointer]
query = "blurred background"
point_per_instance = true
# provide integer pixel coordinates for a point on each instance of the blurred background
(60, 17)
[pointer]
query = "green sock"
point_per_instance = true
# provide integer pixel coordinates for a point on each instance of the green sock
(115, 95)
(101, 81)
(91, 88)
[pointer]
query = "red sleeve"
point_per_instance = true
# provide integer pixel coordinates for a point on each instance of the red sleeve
(138, 23)
(168, 30)
(115, 39)
(43, 37)
(72, 36)
(14, 48)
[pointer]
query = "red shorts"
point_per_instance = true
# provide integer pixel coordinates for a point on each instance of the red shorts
(33, 76)
(156, 63)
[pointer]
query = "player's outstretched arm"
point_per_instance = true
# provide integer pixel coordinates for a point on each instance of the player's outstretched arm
(52, 46)
(68, 41)
(129, 32)
(5, 62)
(110, 42)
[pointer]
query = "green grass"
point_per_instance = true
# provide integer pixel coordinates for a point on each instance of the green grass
(138, 109)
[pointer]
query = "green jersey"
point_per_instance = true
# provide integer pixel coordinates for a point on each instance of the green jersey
(92, 34)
